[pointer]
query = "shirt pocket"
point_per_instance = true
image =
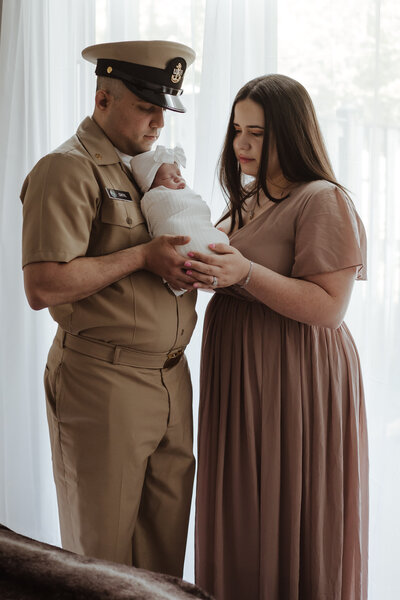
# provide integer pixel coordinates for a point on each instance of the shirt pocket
(120, 225)
(123, 213)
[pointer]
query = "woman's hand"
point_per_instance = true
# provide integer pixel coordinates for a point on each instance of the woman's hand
(227, 265)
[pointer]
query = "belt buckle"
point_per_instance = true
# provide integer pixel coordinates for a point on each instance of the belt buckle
(173, 358)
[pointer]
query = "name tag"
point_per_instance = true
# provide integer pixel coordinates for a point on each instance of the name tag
(118, 195)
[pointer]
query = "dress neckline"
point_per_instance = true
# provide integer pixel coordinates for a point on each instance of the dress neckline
(268, 210)
(255, 219)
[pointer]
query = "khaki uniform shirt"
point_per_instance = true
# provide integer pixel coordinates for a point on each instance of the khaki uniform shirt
(80, 200)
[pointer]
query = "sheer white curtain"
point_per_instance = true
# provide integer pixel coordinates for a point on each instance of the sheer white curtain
(346, 54)
(39, 106)
(239, 44)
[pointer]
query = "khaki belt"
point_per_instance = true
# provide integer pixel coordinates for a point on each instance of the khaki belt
(121, 355)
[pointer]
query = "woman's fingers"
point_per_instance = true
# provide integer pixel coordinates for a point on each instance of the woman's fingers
(182, 280)
(202, 286)
(196, 268)
(207, 259)
(216, 270)
(197, 277)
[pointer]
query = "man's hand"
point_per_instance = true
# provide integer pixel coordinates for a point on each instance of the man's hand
(160, 257)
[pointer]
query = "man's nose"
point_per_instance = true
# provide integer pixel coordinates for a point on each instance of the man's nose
(158, 118)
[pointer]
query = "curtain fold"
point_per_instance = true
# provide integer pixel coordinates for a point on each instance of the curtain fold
(40, 74)
(239, 44)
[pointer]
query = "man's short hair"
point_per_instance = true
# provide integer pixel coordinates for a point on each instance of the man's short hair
(115, 87)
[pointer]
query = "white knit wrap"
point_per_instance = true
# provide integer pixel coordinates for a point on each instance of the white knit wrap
(181, 212)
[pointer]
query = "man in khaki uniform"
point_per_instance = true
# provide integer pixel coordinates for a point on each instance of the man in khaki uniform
(117, 383)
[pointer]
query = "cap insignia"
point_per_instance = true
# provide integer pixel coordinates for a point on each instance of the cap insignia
(109, 69)
(177, 73)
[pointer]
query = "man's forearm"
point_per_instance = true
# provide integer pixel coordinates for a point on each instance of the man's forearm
(52, 283)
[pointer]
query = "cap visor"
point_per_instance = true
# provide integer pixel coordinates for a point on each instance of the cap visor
(167, 101)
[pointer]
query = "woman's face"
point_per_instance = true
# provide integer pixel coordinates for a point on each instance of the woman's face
(248, 122)
(249, 126)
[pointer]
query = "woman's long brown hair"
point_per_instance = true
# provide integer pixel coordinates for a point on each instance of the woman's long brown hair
(290, 118)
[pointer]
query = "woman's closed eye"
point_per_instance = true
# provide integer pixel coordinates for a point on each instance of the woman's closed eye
(254, 133)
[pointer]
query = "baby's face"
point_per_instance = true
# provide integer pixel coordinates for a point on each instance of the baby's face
(169, 175)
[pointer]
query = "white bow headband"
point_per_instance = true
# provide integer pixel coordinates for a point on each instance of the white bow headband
(145, 166)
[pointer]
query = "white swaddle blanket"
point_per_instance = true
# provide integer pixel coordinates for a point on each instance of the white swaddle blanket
(174, 212)
(181, 212)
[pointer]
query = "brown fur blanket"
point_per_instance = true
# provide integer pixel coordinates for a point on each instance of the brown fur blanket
(34, 570)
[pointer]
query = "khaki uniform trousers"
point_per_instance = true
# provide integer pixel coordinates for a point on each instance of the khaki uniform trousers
(123, 464)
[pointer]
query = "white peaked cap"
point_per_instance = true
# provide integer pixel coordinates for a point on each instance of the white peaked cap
(152, 69)
(145, 166)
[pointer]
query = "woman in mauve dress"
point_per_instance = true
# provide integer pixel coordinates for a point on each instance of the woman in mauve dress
(282, 493)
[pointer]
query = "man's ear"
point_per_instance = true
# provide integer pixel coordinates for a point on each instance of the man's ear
(102, 100)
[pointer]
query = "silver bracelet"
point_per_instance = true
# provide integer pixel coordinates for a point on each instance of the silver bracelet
(246, 281)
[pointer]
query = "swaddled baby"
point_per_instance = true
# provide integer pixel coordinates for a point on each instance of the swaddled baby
(169, 205)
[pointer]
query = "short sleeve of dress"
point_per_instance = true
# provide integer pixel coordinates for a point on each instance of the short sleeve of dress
(59, 204)
(329, 235)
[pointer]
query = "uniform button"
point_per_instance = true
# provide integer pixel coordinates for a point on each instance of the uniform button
(98, 156)
(129, 220)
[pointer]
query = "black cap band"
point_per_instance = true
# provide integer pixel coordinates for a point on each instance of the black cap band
(139, 84)
(158, 86)
(169, 78)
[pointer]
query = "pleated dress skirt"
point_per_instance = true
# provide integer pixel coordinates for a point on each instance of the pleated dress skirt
(282, 492)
